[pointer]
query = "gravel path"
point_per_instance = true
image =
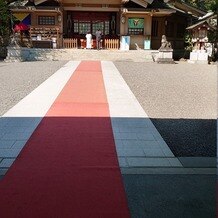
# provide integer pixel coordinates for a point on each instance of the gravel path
(19, 79)
(181, 101)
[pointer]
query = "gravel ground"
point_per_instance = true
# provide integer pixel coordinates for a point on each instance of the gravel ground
(170, 196)
(181, 100)
(19, 79)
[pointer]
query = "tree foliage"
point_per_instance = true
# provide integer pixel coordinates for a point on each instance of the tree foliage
(5, 18)
(204, 4)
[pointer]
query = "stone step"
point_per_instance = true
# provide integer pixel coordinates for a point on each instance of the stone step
(105, 55)
(79, 54)
(13, 59)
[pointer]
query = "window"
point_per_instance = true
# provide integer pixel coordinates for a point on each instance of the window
(154, 30)
(46, 20)
(97, 25)
(106, 28)
(83, 22)
(84, 27)
(76, 26)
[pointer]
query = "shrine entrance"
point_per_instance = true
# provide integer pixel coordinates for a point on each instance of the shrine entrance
(80, 23)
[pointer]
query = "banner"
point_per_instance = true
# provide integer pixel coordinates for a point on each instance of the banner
(21, 16)
(137, 23)
(25, 18)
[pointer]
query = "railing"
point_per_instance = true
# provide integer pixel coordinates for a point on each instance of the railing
(70, 43)
(112, 44)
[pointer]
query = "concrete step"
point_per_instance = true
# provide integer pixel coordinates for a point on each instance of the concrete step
(82, 54)
(13, 59)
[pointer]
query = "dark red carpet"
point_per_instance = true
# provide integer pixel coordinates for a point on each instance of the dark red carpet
(69, 166)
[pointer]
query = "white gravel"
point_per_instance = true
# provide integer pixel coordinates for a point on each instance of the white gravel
(18, 79)
(173, 91)
(181, 100)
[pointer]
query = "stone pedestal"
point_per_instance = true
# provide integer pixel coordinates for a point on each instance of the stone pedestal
(165, 56)
(199, 57)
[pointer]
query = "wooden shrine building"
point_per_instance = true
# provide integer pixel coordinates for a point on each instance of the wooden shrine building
(64, 23)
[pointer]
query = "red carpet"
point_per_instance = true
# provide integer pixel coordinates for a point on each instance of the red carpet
(69, 166)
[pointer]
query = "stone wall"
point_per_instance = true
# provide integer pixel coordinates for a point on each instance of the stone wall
(29, 54)
(16, 54)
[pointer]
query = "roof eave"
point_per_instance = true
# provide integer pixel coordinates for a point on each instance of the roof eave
(198, 11)
(166, 11)
(197, 25)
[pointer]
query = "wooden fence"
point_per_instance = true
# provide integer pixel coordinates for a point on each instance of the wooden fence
(70, 43)
(112, 44)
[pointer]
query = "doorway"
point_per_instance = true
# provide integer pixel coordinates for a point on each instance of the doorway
(79, 23)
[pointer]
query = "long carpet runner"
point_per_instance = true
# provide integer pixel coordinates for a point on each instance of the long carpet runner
(69, 166)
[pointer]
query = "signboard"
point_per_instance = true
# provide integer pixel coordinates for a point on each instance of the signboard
(137, 23)
(124, 42)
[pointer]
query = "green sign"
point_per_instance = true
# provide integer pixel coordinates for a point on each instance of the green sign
(136, 23)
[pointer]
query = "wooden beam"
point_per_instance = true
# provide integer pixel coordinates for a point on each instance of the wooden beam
(149, 1)
(37, 2)
(124, 1)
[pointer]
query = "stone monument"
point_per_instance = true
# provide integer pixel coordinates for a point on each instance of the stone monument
(165, 55)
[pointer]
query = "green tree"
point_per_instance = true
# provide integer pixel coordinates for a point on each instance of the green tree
(5, 20)
(204, 4)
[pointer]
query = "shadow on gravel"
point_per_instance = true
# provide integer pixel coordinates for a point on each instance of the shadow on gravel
(170, 196)
(188, 137)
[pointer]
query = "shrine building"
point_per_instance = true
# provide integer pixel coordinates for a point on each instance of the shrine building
(143, 21)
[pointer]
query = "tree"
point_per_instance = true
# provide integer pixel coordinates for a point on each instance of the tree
(203, 4)
(5, 26)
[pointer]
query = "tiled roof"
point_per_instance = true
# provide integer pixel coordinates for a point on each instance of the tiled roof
(49, 3)
(156, 4)
(160, 4)
(206, 20)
